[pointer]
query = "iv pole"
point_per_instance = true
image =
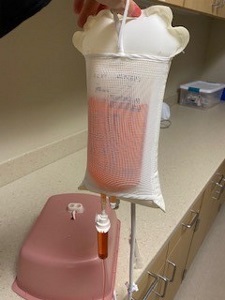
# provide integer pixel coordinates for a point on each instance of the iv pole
(132, 249)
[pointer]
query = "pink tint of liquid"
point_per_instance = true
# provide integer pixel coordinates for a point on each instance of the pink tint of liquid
(116, 132)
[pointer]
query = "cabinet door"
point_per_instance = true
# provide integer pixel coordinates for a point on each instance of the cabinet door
(219, 8)
(201, 227)
(218, 192)
(221, 11)
(212, 199)
(178, 251)
(175, 2)
(207, 6)
(152, 283)
(216, 196)
(222, 170)
(222, 195)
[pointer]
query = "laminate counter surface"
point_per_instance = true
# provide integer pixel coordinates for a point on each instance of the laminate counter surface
(190, 151)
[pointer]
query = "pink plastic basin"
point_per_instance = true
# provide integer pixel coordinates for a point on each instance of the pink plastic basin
(59, 259)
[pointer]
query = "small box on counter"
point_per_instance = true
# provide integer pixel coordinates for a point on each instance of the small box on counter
(201, 94)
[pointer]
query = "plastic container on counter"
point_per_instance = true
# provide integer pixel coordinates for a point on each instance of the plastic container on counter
(201, 94)
(59, 258)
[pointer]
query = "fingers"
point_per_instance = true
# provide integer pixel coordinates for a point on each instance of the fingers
(85, 8)
(88, 8)
(119, 7)
(134, 10)
(101, 7)
(77, 6)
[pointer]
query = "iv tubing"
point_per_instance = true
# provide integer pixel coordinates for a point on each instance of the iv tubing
(132, 247)
(104, 279)
(120, 42)
(103, 202)
(120, 27)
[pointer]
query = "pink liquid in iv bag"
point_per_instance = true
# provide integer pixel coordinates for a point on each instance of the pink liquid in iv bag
(115, 143)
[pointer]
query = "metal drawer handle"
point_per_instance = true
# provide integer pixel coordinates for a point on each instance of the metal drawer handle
(174, 270)
(223, 182)
(216, 3)
(221, 176)
(221, 4)
(165, 281)
(216, 198)
(154, 284)
(193, 221)
(221, 185)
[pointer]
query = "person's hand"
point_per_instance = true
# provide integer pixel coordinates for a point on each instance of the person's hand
(85, 8)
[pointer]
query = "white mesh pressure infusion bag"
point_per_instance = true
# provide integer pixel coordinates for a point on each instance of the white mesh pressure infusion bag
(127, 64)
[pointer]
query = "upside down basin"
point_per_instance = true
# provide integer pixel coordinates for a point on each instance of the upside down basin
(59, 258)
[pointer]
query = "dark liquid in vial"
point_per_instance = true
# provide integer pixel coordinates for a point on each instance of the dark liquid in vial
(102, 245)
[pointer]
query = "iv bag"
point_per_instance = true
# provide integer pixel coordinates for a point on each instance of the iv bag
(127, 65)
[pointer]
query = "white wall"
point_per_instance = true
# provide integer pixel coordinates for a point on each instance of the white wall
(38, 61)
(214, 69)
(188, 66)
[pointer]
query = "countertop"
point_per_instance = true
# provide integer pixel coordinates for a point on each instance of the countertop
(190, 151)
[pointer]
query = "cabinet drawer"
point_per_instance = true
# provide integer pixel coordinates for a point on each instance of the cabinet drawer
(152, 282)
(218, 185)
(205, 6)
(212, 199)
(179, 246)
(186, 225)
(222, 171)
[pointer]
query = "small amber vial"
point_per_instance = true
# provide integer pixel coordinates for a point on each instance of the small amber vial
(102, 245)
(102, 223)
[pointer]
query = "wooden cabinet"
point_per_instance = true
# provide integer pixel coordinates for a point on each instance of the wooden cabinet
(152, 283)
(202, 226)
(221, 10)
(175, 2)
(213, 198)
(164, 275)
(179, 245)
(206, 6)
(222, 195)
(212, 7)
(219, 194)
